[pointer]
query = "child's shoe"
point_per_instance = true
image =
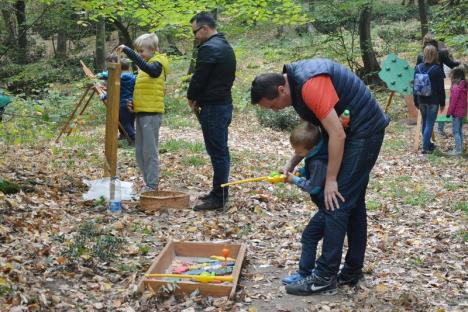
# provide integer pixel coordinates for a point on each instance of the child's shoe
(293, 278)
(454, 153)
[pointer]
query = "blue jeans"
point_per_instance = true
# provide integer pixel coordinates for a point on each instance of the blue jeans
(127, 120)
(457, 129)
(359, 157)
(311, 236)
(429, 116)
(214, 121)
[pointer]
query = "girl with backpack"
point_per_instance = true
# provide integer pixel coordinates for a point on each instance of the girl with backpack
(457, 107)
(429, 94)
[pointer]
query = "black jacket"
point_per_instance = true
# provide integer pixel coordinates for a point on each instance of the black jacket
(436, 75)
(214, 74)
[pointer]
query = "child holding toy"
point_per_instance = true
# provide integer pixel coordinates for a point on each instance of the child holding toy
(148, 104)
(457, 107)
(308, 142)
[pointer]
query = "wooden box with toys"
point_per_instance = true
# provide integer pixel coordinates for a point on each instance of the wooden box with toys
(212, 268)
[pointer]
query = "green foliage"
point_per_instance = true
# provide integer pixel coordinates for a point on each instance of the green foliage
(449, 24)
(8, 187)
(285, 119)
(383, 11)
(90, 242)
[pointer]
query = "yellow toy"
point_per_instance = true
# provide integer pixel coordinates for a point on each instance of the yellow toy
(198, 278)
(273, 179)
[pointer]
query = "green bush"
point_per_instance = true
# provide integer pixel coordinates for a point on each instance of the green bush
(285, 119)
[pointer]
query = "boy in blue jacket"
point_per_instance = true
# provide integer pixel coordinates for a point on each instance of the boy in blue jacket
(127, 85)
(307, 141)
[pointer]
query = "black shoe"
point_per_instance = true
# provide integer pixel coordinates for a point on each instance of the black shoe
(313, 284)
(432, 146)
(209, 204)
(350, 279)
(205, 196)
(426, 152)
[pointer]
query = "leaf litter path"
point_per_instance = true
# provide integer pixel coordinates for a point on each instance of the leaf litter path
(416, 257)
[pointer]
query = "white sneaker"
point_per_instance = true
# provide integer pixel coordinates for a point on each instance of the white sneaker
(454, 153)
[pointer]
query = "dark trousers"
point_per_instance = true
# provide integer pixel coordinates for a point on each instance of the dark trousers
(214, 121)
(360, 155)
(429, 116)
(127, 120)
(311, 236)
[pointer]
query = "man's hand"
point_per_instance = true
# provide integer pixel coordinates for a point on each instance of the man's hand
(120, 48)
(331, 195)
(193, 106)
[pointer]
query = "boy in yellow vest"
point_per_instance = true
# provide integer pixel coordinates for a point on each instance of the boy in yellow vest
(148, 104)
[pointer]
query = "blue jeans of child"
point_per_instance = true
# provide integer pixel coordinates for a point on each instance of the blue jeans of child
(359, 157)
(127, 120)
(429, 115)
(311, 236)
(214, 121)
(457, 129)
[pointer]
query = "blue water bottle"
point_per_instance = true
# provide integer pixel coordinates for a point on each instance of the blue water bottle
(115, 205)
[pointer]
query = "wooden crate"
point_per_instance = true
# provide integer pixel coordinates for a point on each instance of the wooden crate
(195, 249)
(153, 201)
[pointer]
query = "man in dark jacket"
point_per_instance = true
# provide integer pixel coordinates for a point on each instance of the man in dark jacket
(320, 90)
(209, 96)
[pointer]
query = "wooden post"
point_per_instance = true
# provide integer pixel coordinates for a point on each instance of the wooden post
(112, 120)
(417, 133)
(390, 97)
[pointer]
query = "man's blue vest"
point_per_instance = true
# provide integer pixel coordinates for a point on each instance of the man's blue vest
(366, 116)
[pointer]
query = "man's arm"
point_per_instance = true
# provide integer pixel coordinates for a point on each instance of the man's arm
(336, 141)
(203, 68)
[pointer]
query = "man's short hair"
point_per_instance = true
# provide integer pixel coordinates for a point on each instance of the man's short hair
(305, 135)
(204, 19)
(149, 41)
(125, 64)
(111, 58)
(266, 86)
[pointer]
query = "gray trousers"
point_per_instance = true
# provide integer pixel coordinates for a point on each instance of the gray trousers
(147, 146)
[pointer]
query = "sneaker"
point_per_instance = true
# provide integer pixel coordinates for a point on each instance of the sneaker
(350, 279)
(209, 204)
(313, 284)
(426, 152)
(432, 146)
(147, 188)
(454, 153)
(293, 278)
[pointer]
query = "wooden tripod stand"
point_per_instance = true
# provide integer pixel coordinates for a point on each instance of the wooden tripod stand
(82, 104)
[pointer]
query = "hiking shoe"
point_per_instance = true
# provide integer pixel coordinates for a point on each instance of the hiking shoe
(209, 204)
(350, 279)
(293, 278)
(204, 196)
(313, 284)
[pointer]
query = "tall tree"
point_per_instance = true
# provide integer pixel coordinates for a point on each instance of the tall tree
(10, 27)
(20, 9)
(371, 66)
(101, 44)
(422, 6)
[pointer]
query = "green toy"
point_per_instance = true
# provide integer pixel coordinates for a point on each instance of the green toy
(397, 74)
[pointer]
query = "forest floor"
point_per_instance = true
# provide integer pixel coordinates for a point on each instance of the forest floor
(61, 253)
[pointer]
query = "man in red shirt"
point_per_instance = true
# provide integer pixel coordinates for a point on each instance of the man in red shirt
(320, 90)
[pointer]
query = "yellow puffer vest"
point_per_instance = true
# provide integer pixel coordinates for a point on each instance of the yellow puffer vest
(149, 92)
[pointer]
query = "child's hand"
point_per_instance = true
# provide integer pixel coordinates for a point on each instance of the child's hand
(120, 48)
(290, 178)
(130, 106)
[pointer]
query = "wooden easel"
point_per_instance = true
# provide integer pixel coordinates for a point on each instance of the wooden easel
(92, 88)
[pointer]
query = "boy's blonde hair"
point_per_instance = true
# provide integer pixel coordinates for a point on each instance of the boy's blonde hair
(149, 41)
(430, 55)
(305, 135)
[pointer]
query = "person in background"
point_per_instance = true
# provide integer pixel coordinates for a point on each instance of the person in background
(458, 107)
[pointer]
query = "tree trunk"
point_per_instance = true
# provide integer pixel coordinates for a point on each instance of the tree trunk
(101, 45)
(61, 52)
(124, 35)
(371, 66)
(423, 17)
(10, 27)
(20, 8)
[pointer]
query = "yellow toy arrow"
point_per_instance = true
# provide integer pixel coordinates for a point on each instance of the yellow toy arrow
(273, 179)
(198, 278)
